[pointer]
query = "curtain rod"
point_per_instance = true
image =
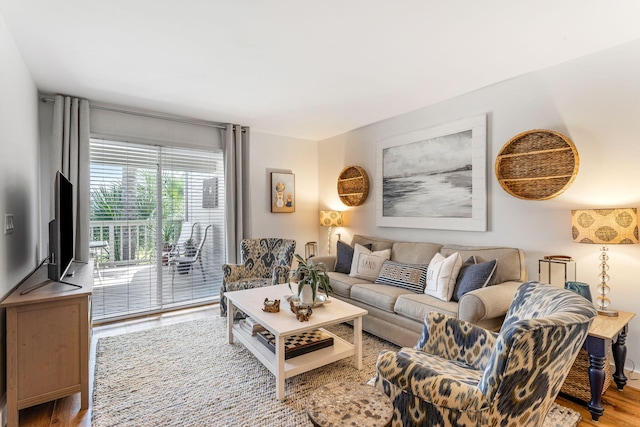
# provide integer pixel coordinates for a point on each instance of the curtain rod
(151, 116)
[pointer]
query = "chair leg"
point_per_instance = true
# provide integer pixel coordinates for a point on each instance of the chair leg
(204, 279)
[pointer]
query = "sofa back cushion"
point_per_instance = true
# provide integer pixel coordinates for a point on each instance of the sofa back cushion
(377, 244)
(510, 264)
(414, 253)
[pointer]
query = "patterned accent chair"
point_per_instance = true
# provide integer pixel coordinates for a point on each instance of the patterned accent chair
(460, 374)
(265, 262)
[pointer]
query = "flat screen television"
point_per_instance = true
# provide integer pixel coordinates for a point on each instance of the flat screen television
(61, 238)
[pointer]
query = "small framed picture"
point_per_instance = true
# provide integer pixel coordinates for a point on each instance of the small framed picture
(283, 192)
(210, 193)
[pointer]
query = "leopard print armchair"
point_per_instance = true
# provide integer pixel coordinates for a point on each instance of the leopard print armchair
(265, 262)
(460, 374)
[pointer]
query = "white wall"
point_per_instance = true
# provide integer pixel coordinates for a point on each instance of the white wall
(595, 101)
(272, 153)
(18, 172)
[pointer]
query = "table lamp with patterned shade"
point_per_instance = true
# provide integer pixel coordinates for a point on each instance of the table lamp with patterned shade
(330, 219)
(605, 227)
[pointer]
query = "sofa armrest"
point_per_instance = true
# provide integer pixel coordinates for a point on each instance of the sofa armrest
(488, 302)
(328, 260)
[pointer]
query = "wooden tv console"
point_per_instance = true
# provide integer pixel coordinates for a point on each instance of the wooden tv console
(48, 340)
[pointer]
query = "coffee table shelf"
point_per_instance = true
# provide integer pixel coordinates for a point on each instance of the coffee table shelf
(284, 324)
(299, 364)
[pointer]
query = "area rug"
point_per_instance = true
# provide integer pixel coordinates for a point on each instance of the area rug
(188, 375)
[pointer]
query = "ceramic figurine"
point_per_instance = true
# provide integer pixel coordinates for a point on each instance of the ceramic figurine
(271, 306)
(302, 312)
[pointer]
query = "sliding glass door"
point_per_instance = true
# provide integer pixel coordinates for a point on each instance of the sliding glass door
(157, 223)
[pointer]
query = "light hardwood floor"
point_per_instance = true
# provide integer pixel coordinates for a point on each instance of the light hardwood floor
(622, 408)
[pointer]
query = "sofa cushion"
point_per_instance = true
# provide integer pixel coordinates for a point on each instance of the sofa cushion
(380, 296)
(474, 276)
(442, 275)
(344, 256)
(342, 283)
(416, 306)
(510, 266)
(367, 264)
(412, 277)
(414, 253)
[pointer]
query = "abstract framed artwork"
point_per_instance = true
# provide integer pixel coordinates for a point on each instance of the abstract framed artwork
(283, 192)
(434, 178)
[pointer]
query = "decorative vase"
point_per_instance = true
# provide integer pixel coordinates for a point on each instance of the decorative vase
(306, 296)
(579, 288)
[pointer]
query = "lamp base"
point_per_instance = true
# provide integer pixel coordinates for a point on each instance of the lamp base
(608, 312)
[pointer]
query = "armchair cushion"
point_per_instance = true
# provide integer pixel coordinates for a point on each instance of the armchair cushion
(432, 379)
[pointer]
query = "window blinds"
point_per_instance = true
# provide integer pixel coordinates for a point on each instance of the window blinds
(161, 212)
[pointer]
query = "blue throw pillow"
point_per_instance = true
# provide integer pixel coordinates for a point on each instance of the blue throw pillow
(344, 256)
(474, 276)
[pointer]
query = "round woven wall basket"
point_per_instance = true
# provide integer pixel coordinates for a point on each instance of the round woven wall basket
(537, 165)
(353, 185)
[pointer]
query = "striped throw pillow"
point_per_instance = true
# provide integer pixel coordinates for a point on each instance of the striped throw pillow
(412, 277)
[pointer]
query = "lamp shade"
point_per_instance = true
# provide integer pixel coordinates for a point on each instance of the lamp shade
(605, 226)
(331, 218)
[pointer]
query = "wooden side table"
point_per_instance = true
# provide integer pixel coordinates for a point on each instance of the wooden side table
(349, 404)
(602, 333)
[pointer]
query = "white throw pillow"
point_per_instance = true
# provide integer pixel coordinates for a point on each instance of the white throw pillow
(442, 275)
(366, 264)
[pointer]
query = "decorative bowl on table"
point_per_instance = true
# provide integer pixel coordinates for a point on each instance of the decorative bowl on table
(320, 300)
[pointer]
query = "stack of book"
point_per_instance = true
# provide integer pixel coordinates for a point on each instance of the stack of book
(250, 325)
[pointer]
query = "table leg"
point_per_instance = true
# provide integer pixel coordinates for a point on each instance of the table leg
(596, 381)
(357, 342)
(230, 310)
(279, 367)
(619, 350)
(597, 349)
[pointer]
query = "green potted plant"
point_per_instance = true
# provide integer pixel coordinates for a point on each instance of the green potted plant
(190, 247)
(189, 251)
(310, 277)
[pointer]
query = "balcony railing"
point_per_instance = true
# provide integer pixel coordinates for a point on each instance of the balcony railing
(128, 242)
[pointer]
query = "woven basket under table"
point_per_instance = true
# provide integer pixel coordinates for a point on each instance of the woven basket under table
(577, 382)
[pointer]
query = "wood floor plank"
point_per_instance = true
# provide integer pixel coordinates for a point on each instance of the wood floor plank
(37, 416)
(67, 413)
(622, 408)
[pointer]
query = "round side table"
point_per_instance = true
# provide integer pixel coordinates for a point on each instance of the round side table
(349, 404)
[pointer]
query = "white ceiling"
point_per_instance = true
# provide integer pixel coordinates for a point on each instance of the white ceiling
(308, 69)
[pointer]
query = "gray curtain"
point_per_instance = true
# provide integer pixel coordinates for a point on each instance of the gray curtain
(236, 167)
(70, 155)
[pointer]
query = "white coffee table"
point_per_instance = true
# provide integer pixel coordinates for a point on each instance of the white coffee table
(284, 324)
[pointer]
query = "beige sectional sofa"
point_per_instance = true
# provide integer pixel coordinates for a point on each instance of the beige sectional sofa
(396, 314)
